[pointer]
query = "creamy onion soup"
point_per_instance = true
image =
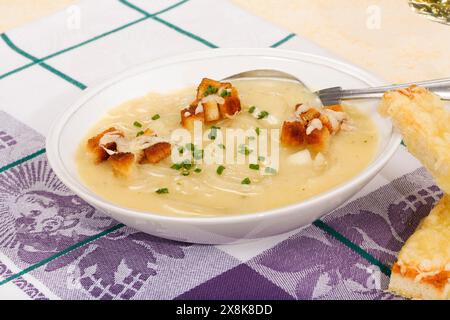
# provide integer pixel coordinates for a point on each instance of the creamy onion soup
(260, 182)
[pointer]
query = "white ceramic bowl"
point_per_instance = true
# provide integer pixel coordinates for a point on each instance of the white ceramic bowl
(181, 71)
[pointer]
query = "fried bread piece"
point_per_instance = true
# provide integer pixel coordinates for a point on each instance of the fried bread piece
(121, 163)
(293, 133)
(98, 151)
(156, 153)
(214, 101)
(422, 270)
(312, 127)
(122, 152)
(423, 121)
(189, 116)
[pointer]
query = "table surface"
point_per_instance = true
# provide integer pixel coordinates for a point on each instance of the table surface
(383, 36)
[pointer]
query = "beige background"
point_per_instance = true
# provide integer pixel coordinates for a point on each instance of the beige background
(384, 36)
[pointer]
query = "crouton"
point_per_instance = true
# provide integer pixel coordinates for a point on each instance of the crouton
(149, 132)
(156, 153)
(293, 133)
(310, 115)
(318, 140)
(232, 104)
(121, 163)
(335, 107)
(211, 110)
(326, 122)
(225, 104)
(209, 86)
(188, 117)
(99, 153)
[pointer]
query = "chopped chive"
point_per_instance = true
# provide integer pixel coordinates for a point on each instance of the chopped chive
(190, 146)
(162, 191)
(198, 154)
(137, 124)
(198, 170)
(185, 173)
(213, 133)
(176, 166)
(140, 133)
(258, 131)
(243, 149)
(270, 170)
(181, 150)
(210, 90)
(254, 166)
(186, 164)
(252, 109)
(220, 170)
(246, 181)
(263, 114)
(225, 93)
(221, 146)
(156, 117)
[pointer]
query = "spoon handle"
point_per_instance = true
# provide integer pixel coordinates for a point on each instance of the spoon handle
(439, 86)
(435, 85)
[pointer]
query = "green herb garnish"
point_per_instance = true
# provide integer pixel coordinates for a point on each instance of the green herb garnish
(176, 166)
(262, 115)
(187, 164)
(198, 170)
(185, 173)
(156, 117)
(190, 146)
(243, 149)
(252, 109)
(198, 154)
(225, 93)
(221, 146)
(213, 133)
(270, 170)
(220, 170)
(258, 131)
(210, 90)
(246, 181)
(137, 124)
(254, 166)
(162, 191)
(140, 133)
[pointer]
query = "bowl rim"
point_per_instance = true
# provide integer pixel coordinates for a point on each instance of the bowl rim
(55, 161)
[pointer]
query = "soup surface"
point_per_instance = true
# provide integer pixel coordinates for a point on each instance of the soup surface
(239, 188)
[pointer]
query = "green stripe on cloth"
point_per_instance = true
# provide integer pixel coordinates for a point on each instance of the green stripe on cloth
(132, 6)
(10, 44)
(61, 253)
(325, 227)
(168, 24)
(285, 39)
(20, 161)
(55, 54)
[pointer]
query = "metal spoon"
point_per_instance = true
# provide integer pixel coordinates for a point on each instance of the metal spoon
(334, 95)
